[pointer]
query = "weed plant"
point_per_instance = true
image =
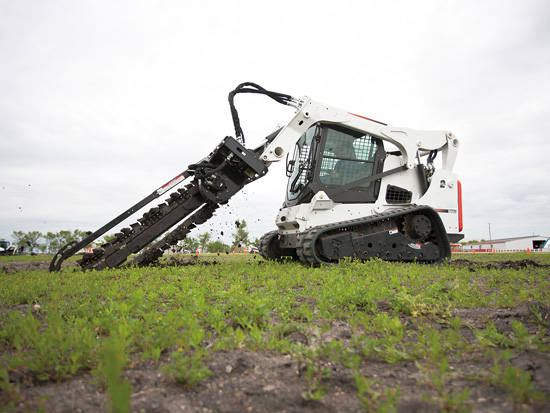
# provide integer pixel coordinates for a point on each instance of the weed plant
(57, 325)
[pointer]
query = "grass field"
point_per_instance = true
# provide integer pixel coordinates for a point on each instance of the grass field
(236, 333)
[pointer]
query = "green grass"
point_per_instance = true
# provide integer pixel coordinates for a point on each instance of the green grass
(57, 325)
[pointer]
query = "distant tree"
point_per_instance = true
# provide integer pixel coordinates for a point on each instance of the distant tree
(19, 237)
(108, 238)
(472, 241)
(240, 236)
(64, 237)
(204, 239)
(55, 241)
(27, 240)
(190, 244)
(31, 239)
(216, 246)
(50, 241)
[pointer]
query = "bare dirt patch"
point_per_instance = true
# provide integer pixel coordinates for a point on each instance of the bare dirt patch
(266, 381)
(269, 382)
(498, 265)
(11, 267)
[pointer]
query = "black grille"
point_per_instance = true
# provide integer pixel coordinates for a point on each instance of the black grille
(397, 195)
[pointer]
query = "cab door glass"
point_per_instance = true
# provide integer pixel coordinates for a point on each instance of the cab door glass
(302, 164)
(347, 157)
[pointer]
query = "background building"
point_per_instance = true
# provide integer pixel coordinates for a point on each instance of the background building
(533, 242)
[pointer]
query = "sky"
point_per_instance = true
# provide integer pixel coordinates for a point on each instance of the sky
(103, 102)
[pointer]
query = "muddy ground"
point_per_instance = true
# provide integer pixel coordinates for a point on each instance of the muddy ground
(246, 381)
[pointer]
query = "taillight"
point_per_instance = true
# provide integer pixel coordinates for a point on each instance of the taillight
(460, 223)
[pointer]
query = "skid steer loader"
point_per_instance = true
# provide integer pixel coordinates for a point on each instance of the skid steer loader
(7, 249)
(357, 188)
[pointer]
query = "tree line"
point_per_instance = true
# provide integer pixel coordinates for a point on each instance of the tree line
(50, 242)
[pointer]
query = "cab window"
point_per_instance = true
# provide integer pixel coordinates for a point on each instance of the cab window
(348, 156)
(302, 164)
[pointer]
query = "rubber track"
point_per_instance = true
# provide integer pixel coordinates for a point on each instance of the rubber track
(307, 239)
(265, 242)
(155, 222)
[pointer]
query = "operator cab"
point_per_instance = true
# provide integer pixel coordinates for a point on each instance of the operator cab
(335, 160)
